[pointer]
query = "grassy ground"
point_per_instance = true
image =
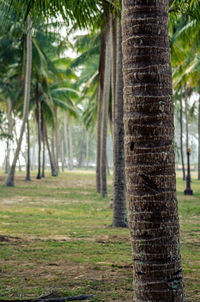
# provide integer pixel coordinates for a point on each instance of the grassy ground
(55, 237)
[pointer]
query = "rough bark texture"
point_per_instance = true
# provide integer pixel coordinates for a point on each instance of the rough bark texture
(119, 196)
(28, 164)
(181, 137)
(149, 153)
(10, 178)
(106, 92)
(99, 111)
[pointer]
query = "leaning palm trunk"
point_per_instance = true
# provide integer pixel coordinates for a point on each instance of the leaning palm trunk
(28, 164)
(106, 92)
(149, 152)
(119, 198)
(99, 111)
(10, 178)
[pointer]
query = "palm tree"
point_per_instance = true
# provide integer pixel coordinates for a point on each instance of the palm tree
(106, 94)
(119, 197)
(10, 178)
(149, 154)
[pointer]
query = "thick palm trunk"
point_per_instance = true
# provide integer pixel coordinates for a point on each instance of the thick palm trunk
(66, 138)
(149, 152)
(181, 137)
(119, 196)
(99, 111)
(10, 178)
(28, 164)
(37, 113)
(106, 92)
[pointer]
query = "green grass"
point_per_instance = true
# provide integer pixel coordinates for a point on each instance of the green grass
(58, 239)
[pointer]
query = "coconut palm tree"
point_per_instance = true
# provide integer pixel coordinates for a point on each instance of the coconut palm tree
(149, 154)
(10, 178)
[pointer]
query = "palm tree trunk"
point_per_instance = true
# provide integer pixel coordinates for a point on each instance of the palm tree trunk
(28, 164)
(10, 178)
(149, 152)
(33, 149)
(38, 120)
(70, 149)
(181, 137)
(43, 139)
(62, 155)
(106, 92)
(87, 148)
(66, 138)
(119, 196)
(99, 111)
(8, 142)
(52, 163)
(186, 120)
(199, 140)
(53, 149)
(56, 138)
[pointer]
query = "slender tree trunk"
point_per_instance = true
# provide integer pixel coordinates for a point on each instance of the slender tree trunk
(106, 92)
(66, 139)
(62, 156)
(38, 120)
(199, 140)
(8, 142)
(186, 120)
(181, 137)
(119, 196)
(43, 139)
(87, 148)
(10, 178)
(28, 164)
(70, 149)
(149, 152)
(53, 149)
(33, 149)
(56, 139)
(99, 111)
(51, 159)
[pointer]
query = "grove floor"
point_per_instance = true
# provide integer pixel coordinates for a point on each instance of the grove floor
(56, 238)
